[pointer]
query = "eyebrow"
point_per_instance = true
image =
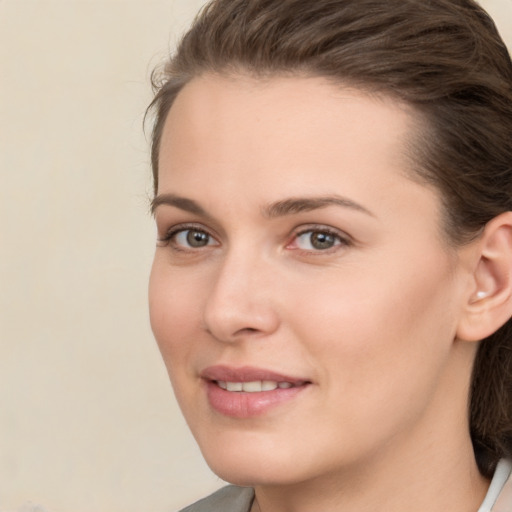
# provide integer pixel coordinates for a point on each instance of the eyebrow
(281, 208)
(296, 205)
(182, 203)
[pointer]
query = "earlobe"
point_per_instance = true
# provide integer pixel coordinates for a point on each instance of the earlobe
(489, 305)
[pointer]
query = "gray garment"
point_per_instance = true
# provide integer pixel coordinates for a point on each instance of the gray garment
(239, 499)
(227, 499)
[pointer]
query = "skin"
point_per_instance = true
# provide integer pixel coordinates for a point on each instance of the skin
(370, 322)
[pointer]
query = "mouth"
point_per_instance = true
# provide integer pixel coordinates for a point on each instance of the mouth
(247, 392)
(256, 386)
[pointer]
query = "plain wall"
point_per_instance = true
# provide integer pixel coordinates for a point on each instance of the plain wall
(87, 418)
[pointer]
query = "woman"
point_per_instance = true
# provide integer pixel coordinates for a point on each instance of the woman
(332, 284)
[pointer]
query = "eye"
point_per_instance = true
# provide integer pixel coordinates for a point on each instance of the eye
(317, 240)
(188, 238)
(192, 238)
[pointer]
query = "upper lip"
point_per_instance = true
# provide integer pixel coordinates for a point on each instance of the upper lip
(246, 374)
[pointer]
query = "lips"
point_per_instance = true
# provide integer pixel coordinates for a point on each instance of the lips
(247, 391)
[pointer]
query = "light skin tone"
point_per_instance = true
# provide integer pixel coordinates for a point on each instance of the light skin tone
(292, 238)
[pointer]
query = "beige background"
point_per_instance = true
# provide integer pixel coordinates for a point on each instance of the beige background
(87, 420)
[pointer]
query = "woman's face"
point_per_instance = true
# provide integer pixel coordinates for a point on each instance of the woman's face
(300, 267)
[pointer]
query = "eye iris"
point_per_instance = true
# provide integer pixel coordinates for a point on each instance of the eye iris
(197, 238)
(322, 240)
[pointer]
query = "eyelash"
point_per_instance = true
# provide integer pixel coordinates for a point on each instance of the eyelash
(169, 238)
(341, 240)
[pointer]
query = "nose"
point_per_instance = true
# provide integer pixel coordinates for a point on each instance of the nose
(240, 303)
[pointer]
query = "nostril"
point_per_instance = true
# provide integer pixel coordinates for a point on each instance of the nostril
(247, 330)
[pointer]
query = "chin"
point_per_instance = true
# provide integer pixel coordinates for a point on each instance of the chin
(240, 478)
(250, 475)
(241, 467)
(252, 464)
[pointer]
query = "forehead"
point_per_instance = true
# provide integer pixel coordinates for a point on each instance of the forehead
(269, 116)
(284, 136)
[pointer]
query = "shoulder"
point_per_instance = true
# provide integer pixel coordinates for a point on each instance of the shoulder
(227, 499)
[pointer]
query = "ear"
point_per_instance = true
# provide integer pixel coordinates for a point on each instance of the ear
(489, 303)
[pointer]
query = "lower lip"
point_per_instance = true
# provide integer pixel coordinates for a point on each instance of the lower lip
(238, 404)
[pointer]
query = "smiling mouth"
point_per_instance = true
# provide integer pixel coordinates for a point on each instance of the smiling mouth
(247, 392)
(256, 386)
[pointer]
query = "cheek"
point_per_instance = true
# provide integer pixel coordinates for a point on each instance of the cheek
(383, 331)
(356, 304)
(174, 313)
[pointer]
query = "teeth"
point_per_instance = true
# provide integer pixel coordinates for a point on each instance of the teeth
(234, 386)
(268, 385)
(254, 386)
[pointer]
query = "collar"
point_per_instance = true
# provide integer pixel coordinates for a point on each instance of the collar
(499, 495)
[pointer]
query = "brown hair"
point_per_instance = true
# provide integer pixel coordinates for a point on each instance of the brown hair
(443, 57)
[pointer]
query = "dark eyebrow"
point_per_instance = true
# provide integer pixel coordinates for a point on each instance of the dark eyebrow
(305, 204)
(179, 202)
(282, 208)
